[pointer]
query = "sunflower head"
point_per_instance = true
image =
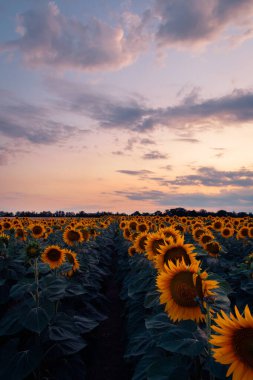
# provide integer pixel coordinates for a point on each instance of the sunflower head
(38, 230)
(153, 243)
(71, 258)
(140, 242)
(227, 232)
(174, 251)
(217, 225)
(54, 256)
(234, 341)
(243, 233)
(72, 236)
(132, 250)
(33, 250)
(181, 286)
(213, 248)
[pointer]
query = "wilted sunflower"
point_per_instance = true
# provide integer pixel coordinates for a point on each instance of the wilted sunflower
(72, 236)
(86, 234)
(180, 285)
(154, 242)
(140, 241)
(235, 342)
(54, 256)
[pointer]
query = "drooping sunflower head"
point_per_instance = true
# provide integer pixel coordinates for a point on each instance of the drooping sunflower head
(174, 251)
(85, 233)
(54, 256)
(153, 243)
(72, 236)
(182, 288)
(33, 250)
(234, 341)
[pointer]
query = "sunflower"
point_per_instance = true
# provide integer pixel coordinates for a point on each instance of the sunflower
(217, 225)
(139, 243)
(127, 233)
(71, 257)
(131, 250)
(213, 248)
(20, 234)
(38, 230)
(142, 227)
(242, 233)
(205, 238)
(170, 232)
(54, 256)
(154, 242)
(173, 251)
(132, 225)
(7, 225)
(4, 238)
(250, 232)
(180, 286)
(235, 343)
(72, 236)
(227, 232)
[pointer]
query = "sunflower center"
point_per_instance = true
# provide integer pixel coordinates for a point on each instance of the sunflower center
(176, 253)
(73, 235)
(244, 232)
(156, 245)
(54, 254)
(37, 230)
(206, 238)
(142, 227)
(213, 248)
(243, 345)
(183, 290)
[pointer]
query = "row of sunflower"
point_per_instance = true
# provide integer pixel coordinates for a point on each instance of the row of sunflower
(188, 291)
(51, 276)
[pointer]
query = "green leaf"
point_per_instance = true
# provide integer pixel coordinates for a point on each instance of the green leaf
(63, 328)
(53, 288)
(167, 369)
(181, 341)
(10, 324)
(21, 364)
(36, 320)
(85, 324)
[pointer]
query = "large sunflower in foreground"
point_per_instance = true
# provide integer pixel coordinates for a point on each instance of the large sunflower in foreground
(235, 343)
(173, 251)
(72, 236)
(180, 285)
(54, 256)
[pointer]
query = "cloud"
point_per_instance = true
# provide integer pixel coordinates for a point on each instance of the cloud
(154, 155)
(232, 200)
(210, 177)
(199, 22)
(135, 172)
(132, 113)
(50, 39)
(189, 140)
(118, 153)
(31, 123)
(167, 167)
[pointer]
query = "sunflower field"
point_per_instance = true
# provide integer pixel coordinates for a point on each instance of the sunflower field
(186, 292)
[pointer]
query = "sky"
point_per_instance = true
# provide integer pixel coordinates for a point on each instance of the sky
(111, 105)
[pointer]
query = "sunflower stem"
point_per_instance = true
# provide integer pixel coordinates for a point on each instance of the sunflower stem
(36, 276)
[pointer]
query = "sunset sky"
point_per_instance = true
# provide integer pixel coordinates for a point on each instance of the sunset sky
(112, 105)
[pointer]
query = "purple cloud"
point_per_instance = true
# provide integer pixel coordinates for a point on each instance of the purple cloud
(50, 39)
(195, 22)
(154, 155)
